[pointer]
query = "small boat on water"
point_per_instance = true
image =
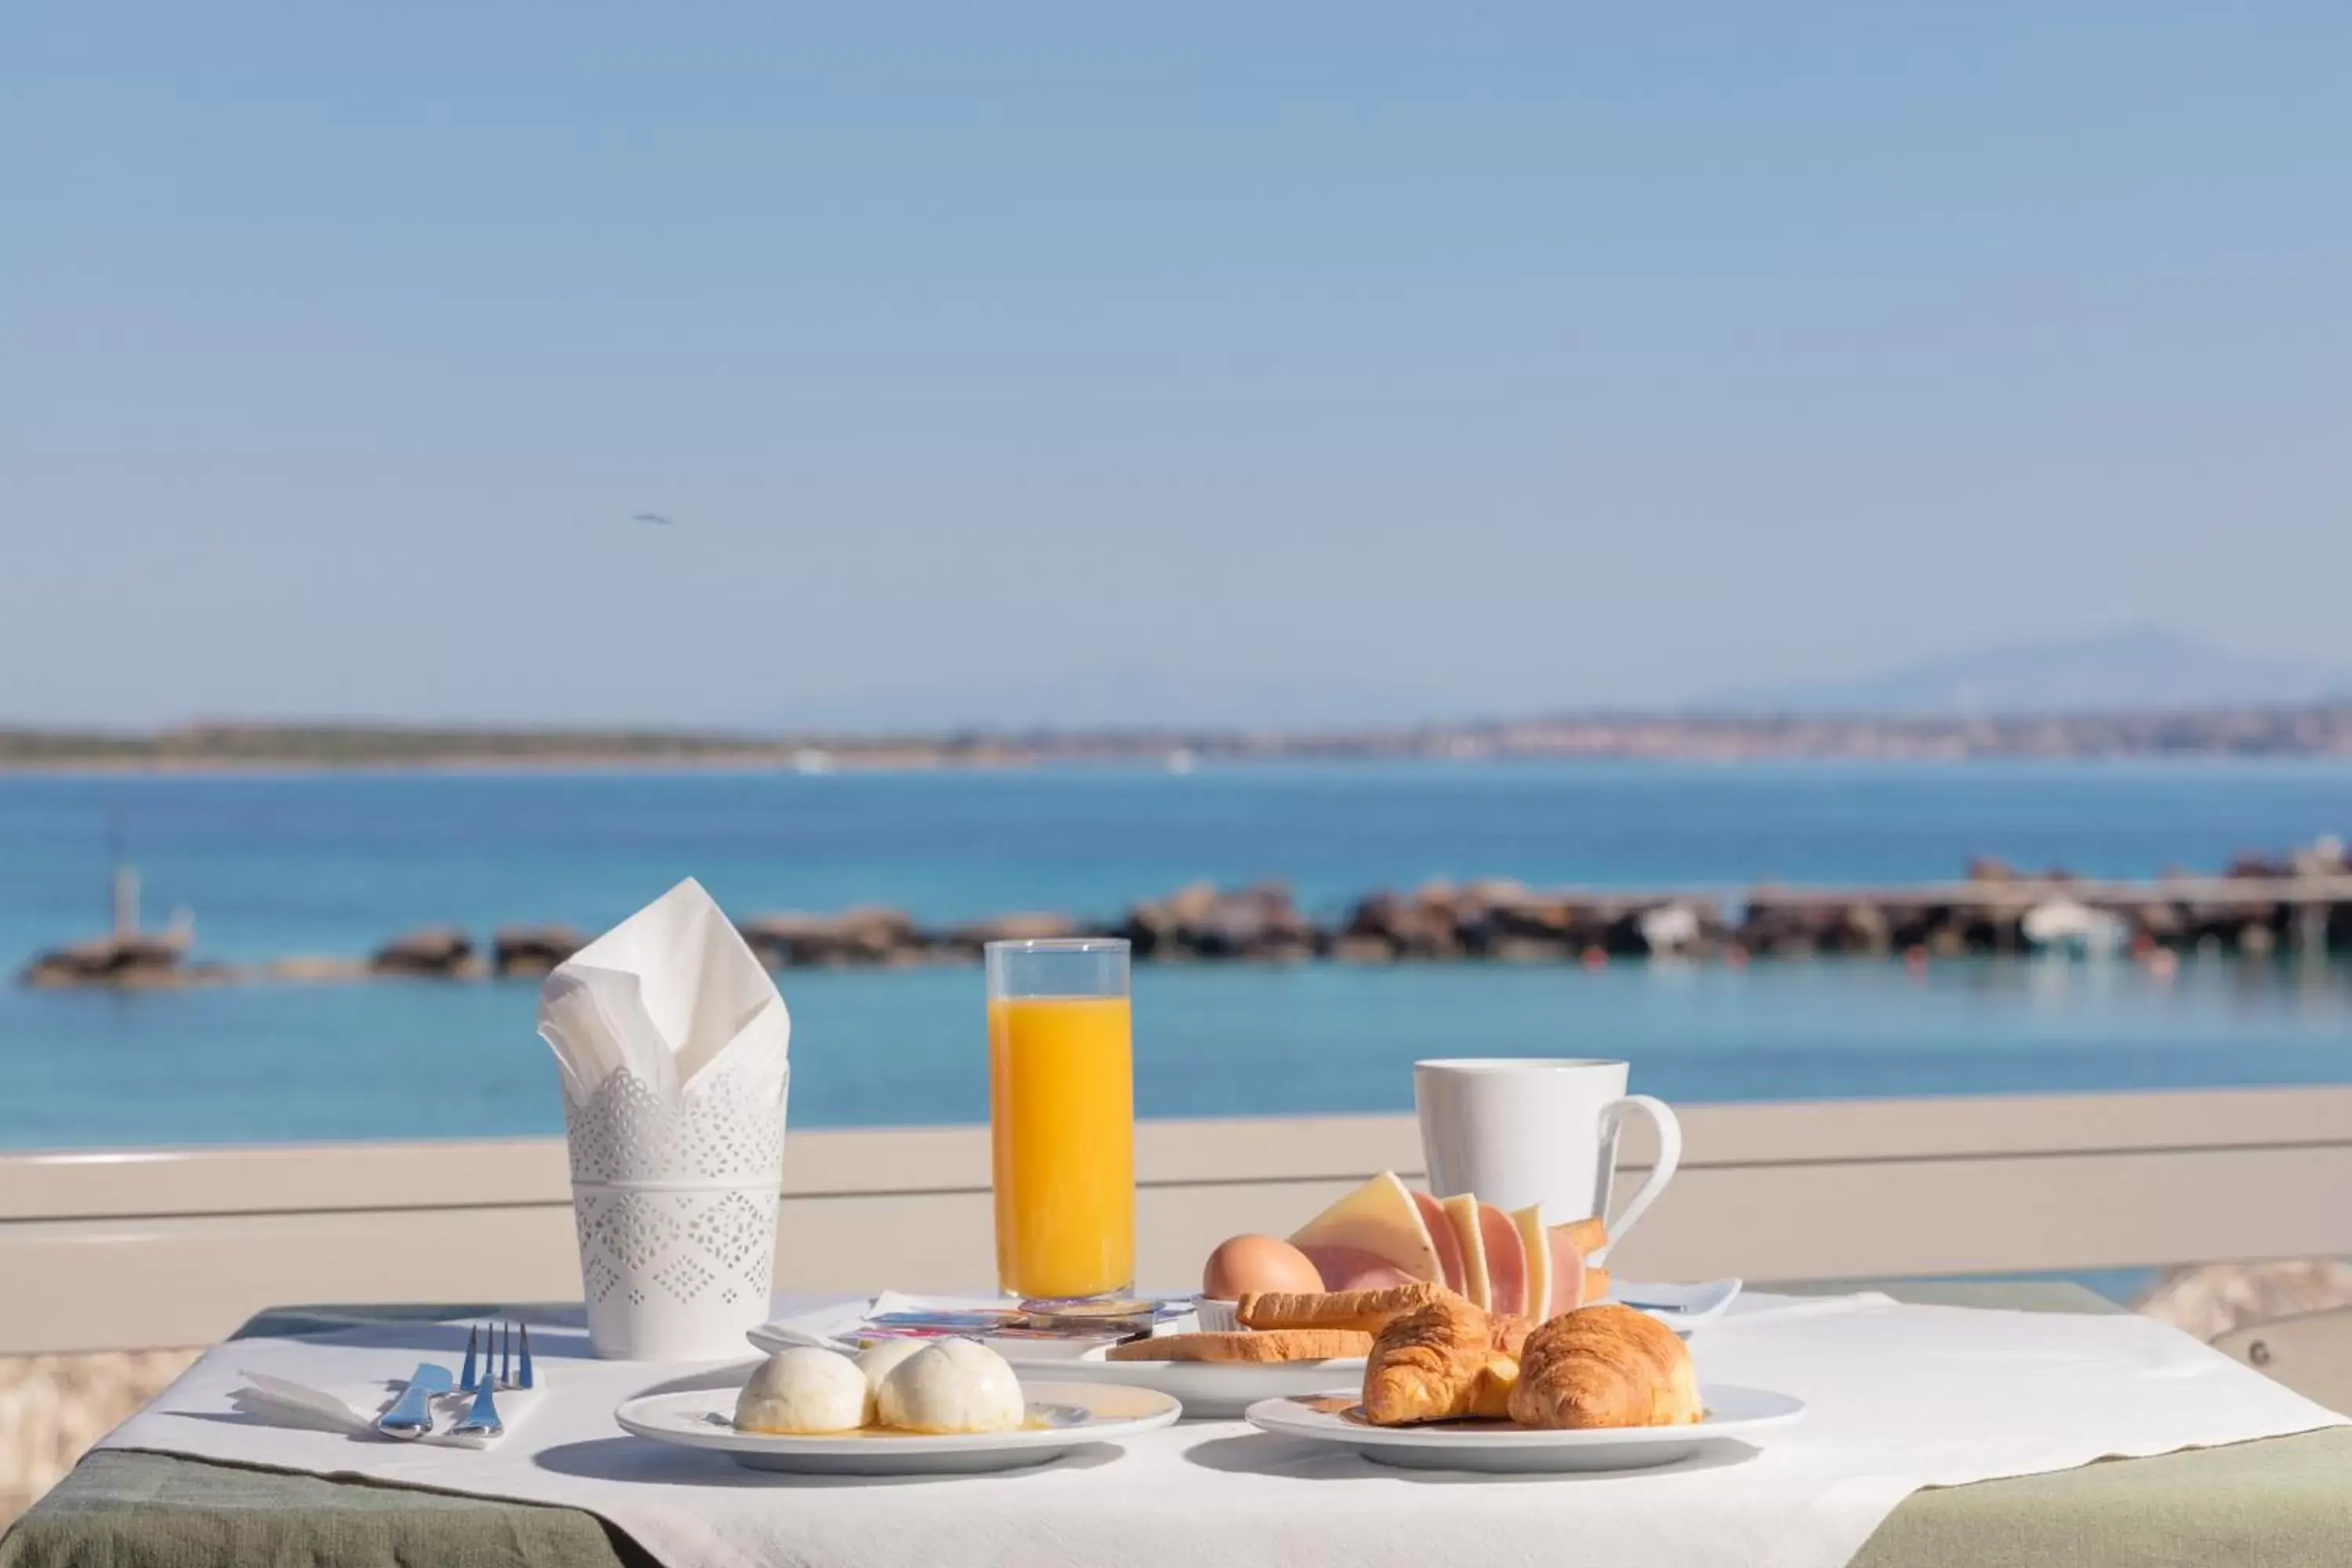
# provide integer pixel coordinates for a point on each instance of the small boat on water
(2063, 927)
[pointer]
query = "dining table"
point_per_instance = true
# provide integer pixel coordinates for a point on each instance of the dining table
(2277, 1502)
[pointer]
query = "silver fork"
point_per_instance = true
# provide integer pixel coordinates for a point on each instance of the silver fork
(499, 1368)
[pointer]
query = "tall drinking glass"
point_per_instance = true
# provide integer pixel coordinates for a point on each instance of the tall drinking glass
(1061, 1107)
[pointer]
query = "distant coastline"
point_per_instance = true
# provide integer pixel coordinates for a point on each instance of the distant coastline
(2315, 731)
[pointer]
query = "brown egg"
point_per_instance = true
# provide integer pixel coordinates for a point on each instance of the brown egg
(1248, 1263)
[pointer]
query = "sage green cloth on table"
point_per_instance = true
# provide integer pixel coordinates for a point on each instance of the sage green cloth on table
(2284, 1502)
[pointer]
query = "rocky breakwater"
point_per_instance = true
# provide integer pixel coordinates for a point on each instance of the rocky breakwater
(1511, 922)
(433, 953)
(877, 934)
(2256, 908)
(1261, 922)
(528, 952)
(449, 953)
(126, 959)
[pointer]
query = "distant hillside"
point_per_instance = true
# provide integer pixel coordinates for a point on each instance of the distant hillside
(2253, 729)
(2137, 671)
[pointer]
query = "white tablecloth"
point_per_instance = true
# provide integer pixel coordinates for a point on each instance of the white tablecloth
(1901, 1396)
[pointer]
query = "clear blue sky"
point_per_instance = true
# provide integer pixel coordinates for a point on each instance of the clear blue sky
(1279, 362)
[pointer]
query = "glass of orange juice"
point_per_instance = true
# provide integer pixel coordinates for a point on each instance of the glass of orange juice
(1060, 1110)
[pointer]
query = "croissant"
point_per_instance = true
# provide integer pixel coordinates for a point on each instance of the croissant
(1442, 1363)
(1604, 1366)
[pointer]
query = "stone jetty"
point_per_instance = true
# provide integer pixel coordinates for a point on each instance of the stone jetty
(434, 952)
(2258, 906)
(524, 953)
(127, 959)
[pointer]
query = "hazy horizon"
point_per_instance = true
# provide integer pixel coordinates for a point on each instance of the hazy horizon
(2138, 671)
(1240, 368)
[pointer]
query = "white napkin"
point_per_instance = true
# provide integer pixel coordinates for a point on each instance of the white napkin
(668, 994)
(353, 1408)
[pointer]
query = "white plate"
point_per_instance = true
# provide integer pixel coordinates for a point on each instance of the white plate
(1071, 1414)
(1210, 1390)
(1496, 1446)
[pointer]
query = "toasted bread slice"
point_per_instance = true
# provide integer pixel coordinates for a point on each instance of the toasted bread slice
(1590, 1235)
(1248, 1349)
(1363, 1311)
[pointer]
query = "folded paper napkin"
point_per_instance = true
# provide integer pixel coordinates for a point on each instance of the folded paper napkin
(352, 1409)
(670, 994)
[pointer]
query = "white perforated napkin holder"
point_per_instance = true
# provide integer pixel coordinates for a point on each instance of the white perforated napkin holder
(671, 1040)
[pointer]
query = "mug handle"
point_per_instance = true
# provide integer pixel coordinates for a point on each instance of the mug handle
(1670, 1154)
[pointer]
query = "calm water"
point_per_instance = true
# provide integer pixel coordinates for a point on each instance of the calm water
(334, 864)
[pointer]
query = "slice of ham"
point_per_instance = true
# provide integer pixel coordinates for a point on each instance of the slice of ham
(1567, 1274)
(1441, 1232)
(1352, 1268)
(1462, 1213)
(1507, 1262)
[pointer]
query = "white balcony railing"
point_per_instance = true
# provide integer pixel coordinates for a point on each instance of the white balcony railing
(126, 1250)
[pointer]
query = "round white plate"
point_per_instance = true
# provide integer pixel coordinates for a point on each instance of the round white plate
(1499, 1446)
(1210, 1390)
(1063, 1415)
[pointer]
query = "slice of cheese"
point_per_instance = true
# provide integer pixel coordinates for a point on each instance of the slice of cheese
(1379, 1218)
(1535, 1241)
(1506, 1262)
(1462, 1215)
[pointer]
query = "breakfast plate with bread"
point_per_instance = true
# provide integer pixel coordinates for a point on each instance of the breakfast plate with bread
(1449, 1387)
(1282, 1317)
(1279, 1316)
(1500, 1447)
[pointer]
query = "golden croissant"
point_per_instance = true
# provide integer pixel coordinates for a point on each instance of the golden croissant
(1442, 1363)
(1605, 1366)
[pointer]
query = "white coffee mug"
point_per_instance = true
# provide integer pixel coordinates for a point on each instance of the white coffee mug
(1536, 1130)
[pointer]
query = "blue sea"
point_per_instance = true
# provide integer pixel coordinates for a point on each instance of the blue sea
(273, 864)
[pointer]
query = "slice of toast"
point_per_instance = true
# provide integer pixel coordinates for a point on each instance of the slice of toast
(1590, 1235)
(1248, 1349)
(1363, 1312)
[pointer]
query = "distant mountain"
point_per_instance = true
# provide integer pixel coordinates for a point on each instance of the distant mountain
(2128, 670)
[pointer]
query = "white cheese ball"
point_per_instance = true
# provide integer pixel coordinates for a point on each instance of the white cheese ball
(951, 1386)
(803, 1390)
(877, 1359)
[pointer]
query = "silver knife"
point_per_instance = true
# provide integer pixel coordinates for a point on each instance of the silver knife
(412, 1414)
